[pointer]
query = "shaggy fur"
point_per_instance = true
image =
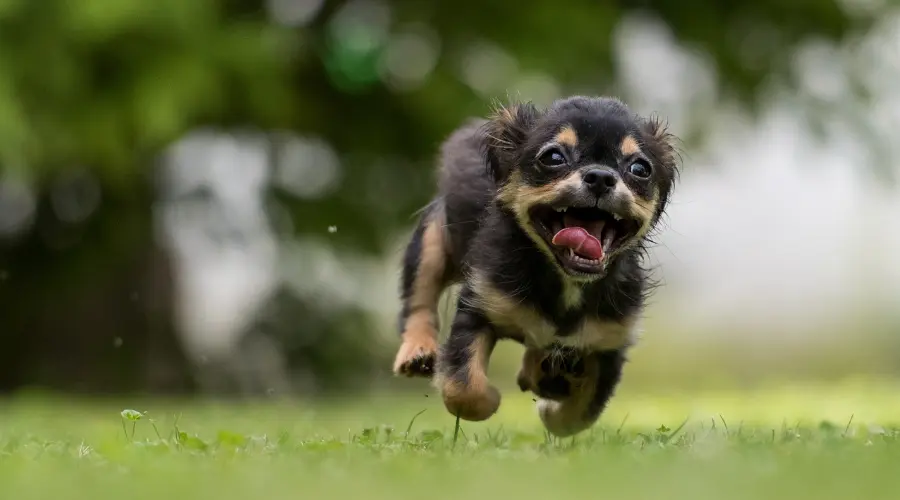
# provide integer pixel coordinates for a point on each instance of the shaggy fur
(507, 188)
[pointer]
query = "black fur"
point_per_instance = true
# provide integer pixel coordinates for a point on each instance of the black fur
(411, 259)
(483, 235)
(610, 363)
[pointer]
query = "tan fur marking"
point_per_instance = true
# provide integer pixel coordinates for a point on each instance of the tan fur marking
(506, 313)
(629, 146)
(507, 193)
(639, 207)
(604, 335)
(530, 371)
(476, 399)
(570, 415)
(419, 341)
(572, 295)
(420, 327)
(645, 208)
(520, 198)
(420, 330)
(427, 288)
(480, 352)
(567, 137)
(566, 418)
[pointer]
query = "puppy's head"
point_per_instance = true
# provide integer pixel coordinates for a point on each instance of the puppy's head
(586, 179)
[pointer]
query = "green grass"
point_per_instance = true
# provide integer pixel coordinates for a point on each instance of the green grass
(793, 442)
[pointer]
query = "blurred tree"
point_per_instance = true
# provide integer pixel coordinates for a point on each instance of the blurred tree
(101, 87)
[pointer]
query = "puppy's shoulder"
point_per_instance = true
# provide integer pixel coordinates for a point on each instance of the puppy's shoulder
(468, 136)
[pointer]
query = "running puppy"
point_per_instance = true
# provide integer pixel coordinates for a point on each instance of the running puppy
(543, 216)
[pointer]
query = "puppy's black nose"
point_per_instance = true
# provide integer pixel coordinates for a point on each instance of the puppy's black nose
(600, 181)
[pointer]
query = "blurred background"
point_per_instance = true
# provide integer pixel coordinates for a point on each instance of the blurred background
(211, 197)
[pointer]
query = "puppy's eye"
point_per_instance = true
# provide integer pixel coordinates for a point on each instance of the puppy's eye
(640, 169)
(552, 158)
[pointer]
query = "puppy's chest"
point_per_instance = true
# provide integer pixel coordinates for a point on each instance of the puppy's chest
(588, 333)
(517, 320)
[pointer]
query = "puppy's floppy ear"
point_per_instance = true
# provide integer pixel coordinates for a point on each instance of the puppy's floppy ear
(504, 135)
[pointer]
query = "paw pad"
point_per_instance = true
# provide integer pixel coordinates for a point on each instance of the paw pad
(415, 360)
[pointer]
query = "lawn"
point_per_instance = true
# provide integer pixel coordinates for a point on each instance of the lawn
(834, 441)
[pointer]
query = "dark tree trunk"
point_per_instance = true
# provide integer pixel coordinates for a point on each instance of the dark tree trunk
(87, 307)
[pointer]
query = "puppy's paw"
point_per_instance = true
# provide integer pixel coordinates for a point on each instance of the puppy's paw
(554, 373)
(475, 401)
(564, 380)
(416, 357)
(563, 418)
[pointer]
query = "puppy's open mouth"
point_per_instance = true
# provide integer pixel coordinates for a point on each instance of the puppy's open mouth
(583, 237)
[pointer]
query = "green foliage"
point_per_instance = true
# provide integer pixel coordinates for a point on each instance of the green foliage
(101, 83)
(105, 86)
(132, 415)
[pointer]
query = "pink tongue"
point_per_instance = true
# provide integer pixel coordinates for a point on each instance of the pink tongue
(579, 240)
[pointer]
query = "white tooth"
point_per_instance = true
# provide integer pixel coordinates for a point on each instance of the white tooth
(563, 209)
(558, 209)
(617, 217)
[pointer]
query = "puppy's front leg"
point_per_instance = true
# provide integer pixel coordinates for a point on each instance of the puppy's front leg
(463, 362)
(572, 402)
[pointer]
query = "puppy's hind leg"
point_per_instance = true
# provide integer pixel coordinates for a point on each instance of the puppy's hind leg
(423, 279)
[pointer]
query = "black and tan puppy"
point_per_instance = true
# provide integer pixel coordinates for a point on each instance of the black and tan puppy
(543, 215)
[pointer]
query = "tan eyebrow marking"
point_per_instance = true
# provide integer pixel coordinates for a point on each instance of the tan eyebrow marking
(629, 146)
(567, 136)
